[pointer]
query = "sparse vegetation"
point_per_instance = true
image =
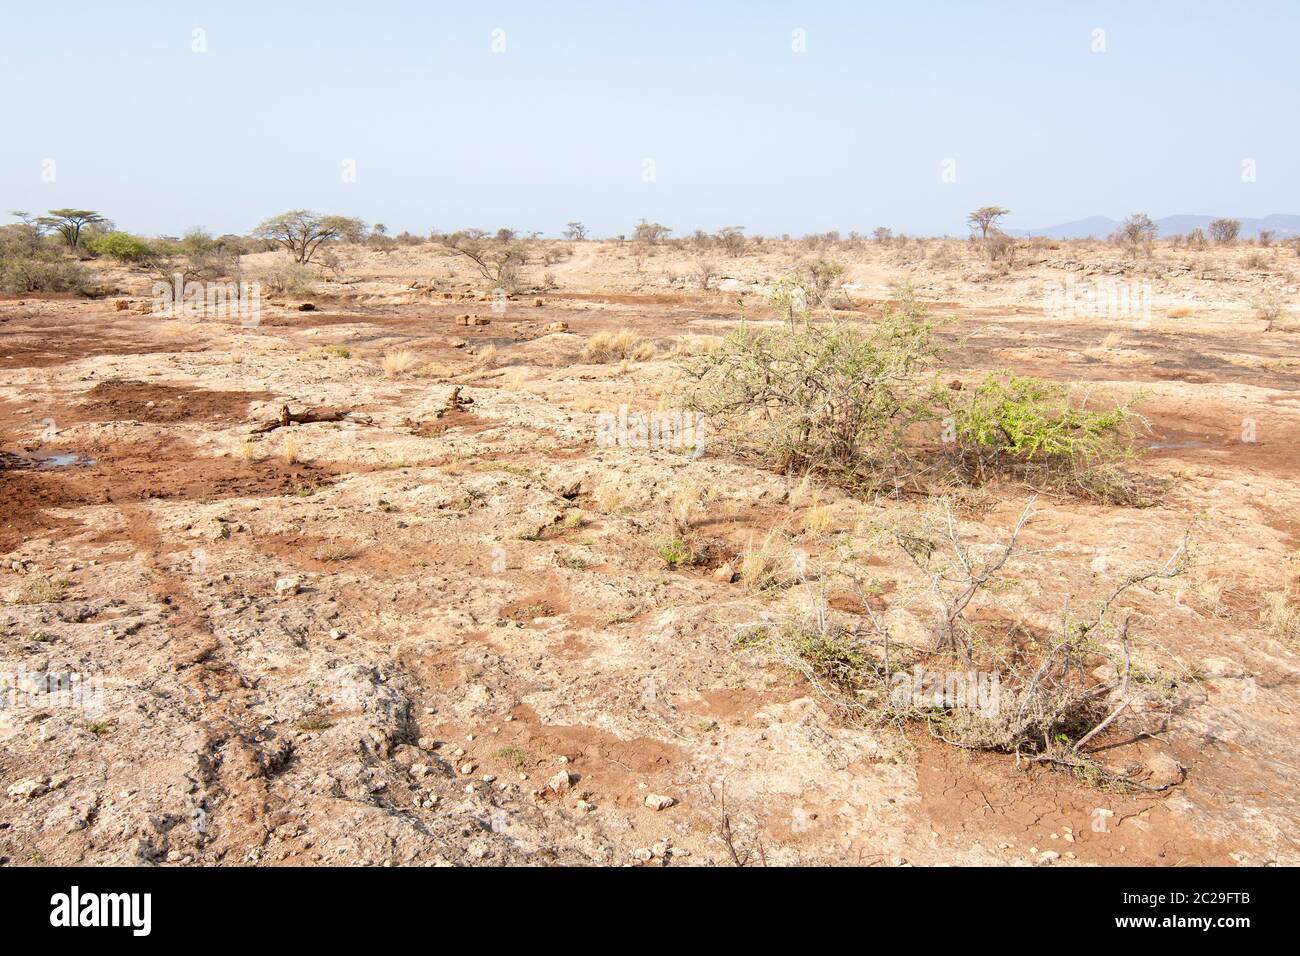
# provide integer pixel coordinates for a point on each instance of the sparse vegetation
(811, 542)
(334, 551)
(288, 278)
(497, 260)
(611, 494)
(1270, 308)
(818, 396)
(675, 552)
(620, 346)
(29, 263)
(43, 590)
(765, 562)
(396, 364)
(1012, 690)
(1280, 616)
(1224, 232)
(1137, 234)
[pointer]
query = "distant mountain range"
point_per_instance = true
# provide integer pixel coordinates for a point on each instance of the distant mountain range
(1100, 227)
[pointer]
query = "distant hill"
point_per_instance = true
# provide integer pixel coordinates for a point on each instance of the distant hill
(1100, 227)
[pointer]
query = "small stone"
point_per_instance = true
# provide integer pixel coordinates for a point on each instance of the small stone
(561, 782)
(336, 634)
(656, 802)
(287, 585)
(1163, 771)
(1048, 856)
(467, 768)
(725, 574)
(1221, 667)
(488, 777)
(29, 788)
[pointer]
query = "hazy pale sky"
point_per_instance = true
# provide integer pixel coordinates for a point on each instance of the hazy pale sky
(530, 114)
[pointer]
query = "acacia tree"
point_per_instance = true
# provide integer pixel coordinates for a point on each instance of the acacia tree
(985, 217)
(732, 239)
(1137, 233)
(497, 261)
(302, 231)
(650, 232)
(69, 223)
(1224, 231)
(575, 231)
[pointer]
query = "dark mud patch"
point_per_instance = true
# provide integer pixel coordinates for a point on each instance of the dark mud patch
(116, 400)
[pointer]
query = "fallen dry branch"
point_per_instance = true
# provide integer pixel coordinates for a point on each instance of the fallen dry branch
(305, 417)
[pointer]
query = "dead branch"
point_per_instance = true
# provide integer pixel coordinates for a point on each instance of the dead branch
(306, 417)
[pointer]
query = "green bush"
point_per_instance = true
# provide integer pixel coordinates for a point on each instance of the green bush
(43, 274)
(30, 264)
(1010, 421)
(123, 247)
(830, 396)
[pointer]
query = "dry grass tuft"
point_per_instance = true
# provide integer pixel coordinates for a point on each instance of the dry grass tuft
(43, 591)
(611, 494)
(1280, 617)
(396, 364)
(764, 562)
(686, 345)
(621, 346)
(818, 519)
(686, 500)
(335, 551)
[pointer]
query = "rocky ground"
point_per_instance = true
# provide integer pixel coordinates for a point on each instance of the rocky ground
(439, 630)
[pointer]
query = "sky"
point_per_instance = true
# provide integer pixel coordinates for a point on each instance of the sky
(781, 117)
